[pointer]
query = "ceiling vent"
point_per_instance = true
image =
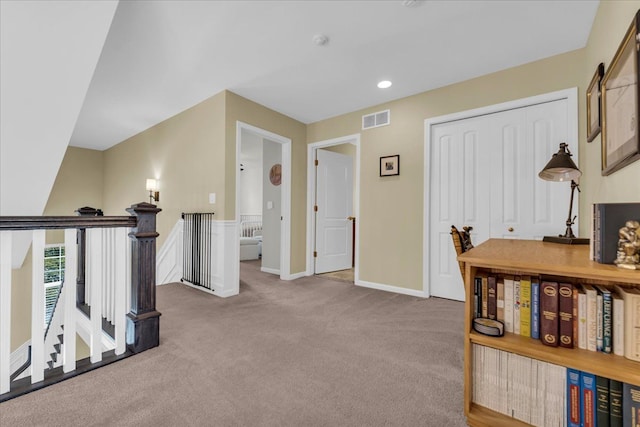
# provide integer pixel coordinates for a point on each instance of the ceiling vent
(374, 120)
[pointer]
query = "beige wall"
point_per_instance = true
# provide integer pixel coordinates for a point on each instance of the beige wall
(611, 23)
(246, 111)
(186, 153)
(391, 209)
(78, 183)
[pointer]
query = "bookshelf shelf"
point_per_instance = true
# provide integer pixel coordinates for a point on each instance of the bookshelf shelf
(552, 261)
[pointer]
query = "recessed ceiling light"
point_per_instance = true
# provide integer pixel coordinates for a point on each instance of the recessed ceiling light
(320, 40)
(384, 84)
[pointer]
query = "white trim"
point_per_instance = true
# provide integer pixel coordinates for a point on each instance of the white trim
(169, 257)
(295, 276)
(571, 95)
(270, 270)
(311, 195)
(285, 207)
(391, 288)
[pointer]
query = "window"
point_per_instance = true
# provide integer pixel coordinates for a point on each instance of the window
(53, 278)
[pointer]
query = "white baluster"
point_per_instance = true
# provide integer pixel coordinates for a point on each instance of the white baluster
(95, 278)
(70, 277)
(113, 232)
(120, 283)
(37, 307)
(5, 310)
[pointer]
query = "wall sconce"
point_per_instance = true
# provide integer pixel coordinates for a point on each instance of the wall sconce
(562, 168)
(152, 188)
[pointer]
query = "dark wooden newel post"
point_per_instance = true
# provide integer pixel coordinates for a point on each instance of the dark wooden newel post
(143, 321)
(81, 241)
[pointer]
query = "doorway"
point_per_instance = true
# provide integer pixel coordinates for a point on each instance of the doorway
(333, 233)
(263, 199)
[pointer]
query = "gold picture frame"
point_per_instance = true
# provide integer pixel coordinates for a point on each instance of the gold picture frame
(620, 135)
(593, 104)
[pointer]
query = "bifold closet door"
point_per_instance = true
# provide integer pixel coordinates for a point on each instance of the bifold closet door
(484, 173)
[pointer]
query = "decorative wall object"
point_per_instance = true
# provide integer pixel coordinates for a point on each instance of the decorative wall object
(275, 174)
(390, 165)
(620, 138)
(593, 104)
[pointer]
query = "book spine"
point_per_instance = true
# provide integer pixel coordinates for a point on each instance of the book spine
(535, 309)
(599, 323)
(549, 313)
(492, 298)
(516, 306)
(597, 243)
(588, 399)
(630, 405)
(485, 294)
(618, 325)
(477, 297)
(573, 397)
(525, 306)
(602, 401)
(615, 403)
(500, 300)
(607, 324)
(508, 304)
(591, 317)
(582, 319)
(565, 314)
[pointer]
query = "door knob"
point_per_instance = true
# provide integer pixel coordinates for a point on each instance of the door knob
(351, 218)
(510, 229)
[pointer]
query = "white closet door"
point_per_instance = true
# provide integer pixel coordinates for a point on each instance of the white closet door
(459, 195)
(484, 174)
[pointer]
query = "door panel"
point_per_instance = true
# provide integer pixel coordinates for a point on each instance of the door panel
(334, 198)
(484, 174)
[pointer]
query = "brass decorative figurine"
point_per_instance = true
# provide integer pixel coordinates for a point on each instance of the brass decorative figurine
(628, 254)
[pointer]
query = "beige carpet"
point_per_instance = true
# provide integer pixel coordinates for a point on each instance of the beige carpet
(310, 352)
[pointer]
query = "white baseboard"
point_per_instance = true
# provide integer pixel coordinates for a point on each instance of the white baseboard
(390, 288)
(295, 276)
(270, 270)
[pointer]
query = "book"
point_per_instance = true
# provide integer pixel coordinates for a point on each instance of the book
(588, 399)
(582, 318)
(615, 403)
(492, 298)
(618, 325)
(608, 219)
(602, 402)
(484, 294)
(630, 405)
(516, 305)
(549, 313)
(508, 304)
(631, 332)
(500, 300)
(574, 298)
(525, 306)
(573, 397)
(599, 322)
(477, 296)
(535, 308)
(565, 315)
(591, 294)
(607, 317)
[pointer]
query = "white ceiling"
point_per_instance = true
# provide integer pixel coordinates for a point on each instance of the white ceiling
(162, 57)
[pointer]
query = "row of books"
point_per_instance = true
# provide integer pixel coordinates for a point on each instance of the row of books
(543, 394)
(590, 317)
(606, 221)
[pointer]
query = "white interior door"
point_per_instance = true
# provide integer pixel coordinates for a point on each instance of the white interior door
(484, 173)
(334, 201)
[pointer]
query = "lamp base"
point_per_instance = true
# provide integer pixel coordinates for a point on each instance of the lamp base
(566, 240)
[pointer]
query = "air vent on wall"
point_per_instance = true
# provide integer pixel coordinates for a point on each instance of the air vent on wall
(374, 120)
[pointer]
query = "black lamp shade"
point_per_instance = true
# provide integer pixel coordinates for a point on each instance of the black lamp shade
(560, 167)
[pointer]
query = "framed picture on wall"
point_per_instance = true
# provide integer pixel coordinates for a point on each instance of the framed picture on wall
(390, 165)
(620, 137)
(593, 104)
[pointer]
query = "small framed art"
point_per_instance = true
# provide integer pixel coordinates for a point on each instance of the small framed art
(390, 165)
(593, 104)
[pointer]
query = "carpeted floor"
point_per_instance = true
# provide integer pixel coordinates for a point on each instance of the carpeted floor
(310, 352)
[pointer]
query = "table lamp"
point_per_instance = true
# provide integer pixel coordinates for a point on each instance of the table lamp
(562, 168)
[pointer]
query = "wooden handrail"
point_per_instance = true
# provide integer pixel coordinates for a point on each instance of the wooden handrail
(61, 222)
